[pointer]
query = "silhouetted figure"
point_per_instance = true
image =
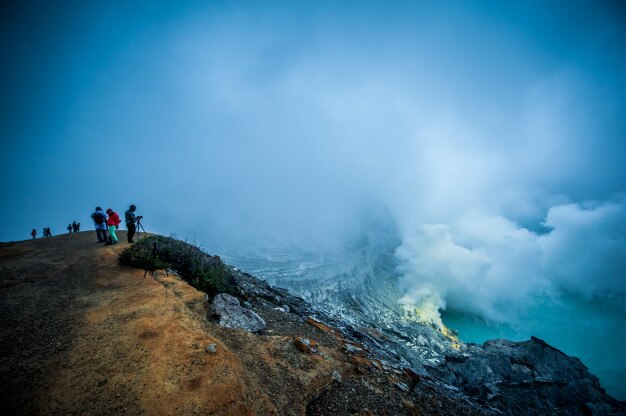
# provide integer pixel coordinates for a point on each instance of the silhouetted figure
(34, 233)
(46, 232)
(75, 227)
(69, 228)
(131, 221)
(100, 222)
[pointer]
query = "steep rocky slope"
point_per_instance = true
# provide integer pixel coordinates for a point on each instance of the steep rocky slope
(82, 335)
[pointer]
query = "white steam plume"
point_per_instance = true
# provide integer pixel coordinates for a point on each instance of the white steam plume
(490, 267)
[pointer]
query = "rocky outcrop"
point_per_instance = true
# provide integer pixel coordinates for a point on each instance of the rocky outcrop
(497, 378)
(527, 378)
(232, 315)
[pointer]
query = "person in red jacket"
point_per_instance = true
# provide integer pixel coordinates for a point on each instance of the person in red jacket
(113, 222)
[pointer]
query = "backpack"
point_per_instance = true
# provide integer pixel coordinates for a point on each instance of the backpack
(98, 218)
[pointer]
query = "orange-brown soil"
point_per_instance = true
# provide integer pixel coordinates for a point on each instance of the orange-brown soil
(82, 335)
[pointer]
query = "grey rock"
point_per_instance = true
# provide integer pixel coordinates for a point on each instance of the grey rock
(526, 378)
(250, 286)
(232, 315)
(352, 349)
(336, 377)
(403, 387)
(212, 348)
(306, 345)
(173, 272)
(497, 378)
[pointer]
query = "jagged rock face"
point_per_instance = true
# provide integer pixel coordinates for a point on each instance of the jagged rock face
(527, 378)
(232, 315)
(501, 377)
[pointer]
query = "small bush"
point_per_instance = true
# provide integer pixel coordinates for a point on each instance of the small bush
(202, 271)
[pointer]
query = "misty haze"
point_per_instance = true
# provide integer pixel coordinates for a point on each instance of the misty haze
(392, 163)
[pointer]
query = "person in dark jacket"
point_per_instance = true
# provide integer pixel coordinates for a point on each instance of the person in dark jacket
(75, 227)
(131, 221)
(69, 228)
(100, 222)
(34, 233)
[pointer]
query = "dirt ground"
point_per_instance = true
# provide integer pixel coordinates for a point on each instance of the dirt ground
(82, 335)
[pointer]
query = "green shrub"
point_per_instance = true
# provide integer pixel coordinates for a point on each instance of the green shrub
(202, 271)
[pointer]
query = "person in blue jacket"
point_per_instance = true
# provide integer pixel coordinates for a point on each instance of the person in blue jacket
(100, 222)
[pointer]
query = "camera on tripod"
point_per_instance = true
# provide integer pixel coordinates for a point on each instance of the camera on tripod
(140, 225)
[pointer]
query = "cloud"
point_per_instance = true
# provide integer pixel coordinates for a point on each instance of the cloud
(586, 250)
(477, 134)
(484, 266)
(488, 266)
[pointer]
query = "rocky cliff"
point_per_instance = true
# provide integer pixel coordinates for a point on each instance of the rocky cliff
(498, 377)
(82, 335)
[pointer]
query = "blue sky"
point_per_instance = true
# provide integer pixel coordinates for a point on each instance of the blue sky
(308, 107)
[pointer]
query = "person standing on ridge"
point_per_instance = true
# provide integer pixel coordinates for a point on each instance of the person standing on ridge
(113, 223)
(69, 228)
(131, 220)
(34, 233)
(75, 227)
(100, 222)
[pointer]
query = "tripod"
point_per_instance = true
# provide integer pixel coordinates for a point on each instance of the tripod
(155, 254)
(139, 228)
